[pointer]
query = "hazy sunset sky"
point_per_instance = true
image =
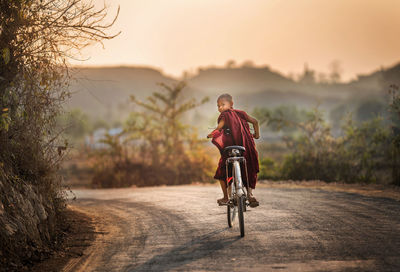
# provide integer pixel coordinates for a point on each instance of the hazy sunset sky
(178, 35)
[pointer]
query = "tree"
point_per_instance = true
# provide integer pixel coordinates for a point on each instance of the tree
(165, 142)
(283, 117)
(335, 71)
(308, 76)
(248, 64)
(230, 64)
(37, 38)
(160, 123)
(155, 147)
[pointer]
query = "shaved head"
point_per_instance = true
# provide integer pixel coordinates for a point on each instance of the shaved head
(226, 97)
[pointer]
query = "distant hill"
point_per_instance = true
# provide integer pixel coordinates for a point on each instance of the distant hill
(103, 92)
(239, 80)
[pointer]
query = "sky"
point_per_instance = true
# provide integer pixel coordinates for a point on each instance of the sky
(178, 35)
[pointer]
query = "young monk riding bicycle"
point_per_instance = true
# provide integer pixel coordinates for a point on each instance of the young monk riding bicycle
(236, 122)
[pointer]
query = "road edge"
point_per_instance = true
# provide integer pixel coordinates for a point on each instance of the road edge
(79, 236)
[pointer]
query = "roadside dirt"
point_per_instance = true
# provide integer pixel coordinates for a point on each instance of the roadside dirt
(79, 235)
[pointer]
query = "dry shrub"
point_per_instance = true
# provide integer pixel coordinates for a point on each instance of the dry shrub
(155, 147)
(36, 39)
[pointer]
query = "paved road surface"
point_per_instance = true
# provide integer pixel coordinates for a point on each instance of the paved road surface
(182, 229)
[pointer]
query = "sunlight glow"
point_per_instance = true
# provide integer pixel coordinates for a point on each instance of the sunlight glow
(178, 35)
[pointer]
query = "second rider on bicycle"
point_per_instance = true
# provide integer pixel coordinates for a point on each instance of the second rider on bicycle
(233, 129)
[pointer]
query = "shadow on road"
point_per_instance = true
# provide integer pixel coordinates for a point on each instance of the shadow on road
(198, 248)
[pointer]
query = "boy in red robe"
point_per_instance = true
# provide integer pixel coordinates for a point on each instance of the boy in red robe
(237, 122)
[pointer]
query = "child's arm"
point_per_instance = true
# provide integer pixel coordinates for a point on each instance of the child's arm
(255, 126)
(220, 126)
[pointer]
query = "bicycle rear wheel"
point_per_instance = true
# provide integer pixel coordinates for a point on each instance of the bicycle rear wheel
(231, 212)
(241, 216)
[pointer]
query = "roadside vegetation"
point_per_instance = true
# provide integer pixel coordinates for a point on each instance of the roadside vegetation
(356, 142)
(154, 147)
(36, 40)
(364, 148)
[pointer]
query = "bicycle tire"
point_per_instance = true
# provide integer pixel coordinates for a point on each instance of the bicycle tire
(229, 216)
(231, 212)
(244, 203)
(241, 216)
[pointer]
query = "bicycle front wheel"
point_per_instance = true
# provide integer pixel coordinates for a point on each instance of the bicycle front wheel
(241, 216)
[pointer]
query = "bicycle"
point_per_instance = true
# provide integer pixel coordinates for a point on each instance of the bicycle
(237, 193)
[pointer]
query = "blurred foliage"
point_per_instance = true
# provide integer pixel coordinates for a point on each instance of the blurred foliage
(357, 156)
(37, 37)
(155, 147)
(361, 109)
(36, 40)
(365, 151)
(284, 117)
(369, 109)
(269, 169)
(75, 123)
(308, 76)
(394, 109)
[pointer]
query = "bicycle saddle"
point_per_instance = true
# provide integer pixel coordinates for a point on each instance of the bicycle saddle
(234, 150)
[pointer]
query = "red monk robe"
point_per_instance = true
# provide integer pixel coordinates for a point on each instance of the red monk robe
(236, 121)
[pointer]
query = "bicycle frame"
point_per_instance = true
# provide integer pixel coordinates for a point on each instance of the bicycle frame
(237, 196)
(237, 189)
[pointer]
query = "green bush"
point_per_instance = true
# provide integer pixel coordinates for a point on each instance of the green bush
(269, 169)
(394, 109)
(360, 155)
(363, 153)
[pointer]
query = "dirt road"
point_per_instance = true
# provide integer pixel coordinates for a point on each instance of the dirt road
(182, 229)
